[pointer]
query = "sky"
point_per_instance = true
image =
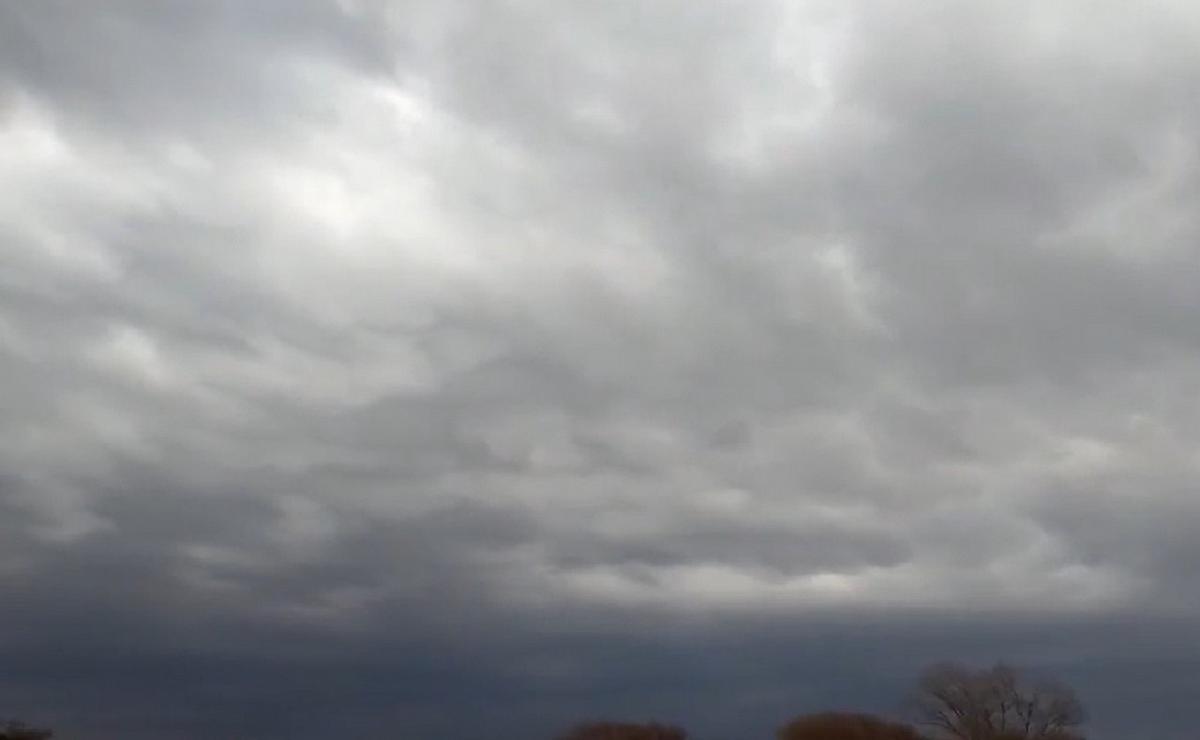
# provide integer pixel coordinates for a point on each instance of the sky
(458, 370)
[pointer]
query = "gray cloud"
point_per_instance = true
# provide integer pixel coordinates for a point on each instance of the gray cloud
(526, 361)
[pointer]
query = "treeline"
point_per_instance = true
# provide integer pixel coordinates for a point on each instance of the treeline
(13, 730)
(949, 702)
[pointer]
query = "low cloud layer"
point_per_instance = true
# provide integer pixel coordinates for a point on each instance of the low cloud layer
(438, 368)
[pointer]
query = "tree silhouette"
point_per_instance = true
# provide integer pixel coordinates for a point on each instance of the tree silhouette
(995, 704)
(845, 726)
(623, 731)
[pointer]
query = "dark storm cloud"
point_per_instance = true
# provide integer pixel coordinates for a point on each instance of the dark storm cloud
(381, 366)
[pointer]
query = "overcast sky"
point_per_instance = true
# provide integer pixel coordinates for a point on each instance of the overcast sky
(456, 370)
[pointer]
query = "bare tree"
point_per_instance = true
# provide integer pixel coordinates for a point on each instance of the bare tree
(995, 704)
(844, 726)
(623, 731)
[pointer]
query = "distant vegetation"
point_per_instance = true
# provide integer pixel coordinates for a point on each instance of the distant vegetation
(623, 731)
(950, 702)
(13, 730)
(845, 726)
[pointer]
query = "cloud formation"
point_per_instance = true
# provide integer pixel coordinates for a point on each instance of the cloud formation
(375, 365)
